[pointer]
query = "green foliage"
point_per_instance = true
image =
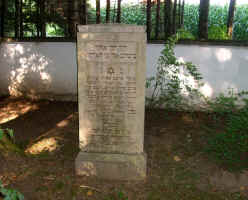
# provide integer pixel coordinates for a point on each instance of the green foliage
(240, 30)
(10, 194)
(218, 33)
(173, 80)
(217, 21)
(7, 131)
(230, 147)
(191, 18)
(183, 34)
(119, 196)
(223, 105)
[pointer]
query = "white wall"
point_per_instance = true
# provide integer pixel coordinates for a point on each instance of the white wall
(222, 67)
(46, 69)
(49, 69)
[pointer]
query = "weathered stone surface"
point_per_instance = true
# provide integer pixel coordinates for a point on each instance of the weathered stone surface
(111, 88)
(112, 166)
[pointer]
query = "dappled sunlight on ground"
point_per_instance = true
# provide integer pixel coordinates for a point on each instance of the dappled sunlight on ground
(51, 140)
(44, 145)
(13, 110)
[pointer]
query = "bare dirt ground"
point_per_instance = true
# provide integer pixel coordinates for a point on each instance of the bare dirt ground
(178, 168)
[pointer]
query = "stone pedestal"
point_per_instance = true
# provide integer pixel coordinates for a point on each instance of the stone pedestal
(111, 98)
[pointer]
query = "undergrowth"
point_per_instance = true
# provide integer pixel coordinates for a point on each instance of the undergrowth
(176, 87)
(229, 147)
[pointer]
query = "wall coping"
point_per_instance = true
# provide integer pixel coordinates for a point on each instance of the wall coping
(182, 42)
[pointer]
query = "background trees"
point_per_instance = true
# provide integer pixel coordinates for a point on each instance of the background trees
(59, 18)
(203, 19)
(231, 17)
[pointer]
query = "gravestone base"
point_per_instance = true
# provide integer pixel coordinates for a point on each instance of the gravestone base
(112, 166)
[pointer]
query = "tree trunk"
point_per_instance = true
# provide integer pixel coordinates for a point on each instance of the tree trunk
(118, 20)
(17, 17)
(231, 17)
(203, 19)
(98, 12)
(3, 7)
(179, 14)
(174, 17)
(157, 19)
(21, 19)
(42, 19)
(108, 11)
(148, 19)
(84, 12)
(167, 18)
(182, 14)
(73, 16)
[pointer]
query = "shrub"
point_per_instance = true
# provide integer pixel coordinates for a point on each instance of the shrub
(218, 33)
(173, 81)
(230, 147)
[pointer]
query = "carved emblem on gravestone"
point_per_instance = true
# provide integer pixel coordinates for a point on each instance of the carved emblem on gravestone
(110, 71)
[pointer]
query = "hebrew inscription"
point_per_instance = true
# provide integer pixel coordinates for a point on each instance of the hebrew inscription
(111, 92)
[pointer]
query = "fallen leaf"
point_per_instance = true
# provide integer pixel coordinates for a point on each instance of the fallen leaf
(177, 159)
(242, 188)
(89, 193)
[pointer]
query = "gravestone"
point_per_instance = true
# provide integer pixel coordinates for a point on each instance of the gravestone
(111, 97)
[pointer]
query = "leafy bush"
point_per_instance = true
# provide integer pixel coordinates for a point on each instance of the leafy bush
(183, 34)
(230, 147)
(10, 194)
(223, 105)
(173, 80)
(218, 33)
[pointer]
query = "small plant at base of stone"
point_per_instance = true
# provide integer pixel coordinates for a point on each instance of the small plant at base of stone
(7, 141)
(176, 83)
(230, 147)
(10, 194)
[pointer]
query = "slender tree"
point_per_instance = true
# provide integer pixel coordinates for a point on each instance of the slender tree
(42, 19)
(179, 13)
(73, 16)
(84, 12)
(182, 14)
(21, 19)
(148, 19)
(203, 19)
(98, 12)
(167, 18)
(17, 18)
(108, 11)
(230, 18)
(118, 19)
(174, 17)
(157, 19)
(3, 7)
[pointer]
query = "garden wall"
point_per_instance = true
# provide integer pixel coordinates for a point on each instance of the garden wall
(49, 69)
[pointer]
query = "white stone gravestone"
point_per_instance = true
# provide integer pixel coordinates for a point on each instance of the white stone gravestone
(111, 97)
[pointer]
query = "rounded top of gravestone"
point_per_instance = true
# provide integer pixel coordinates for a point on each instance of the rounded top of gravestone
(111, 28)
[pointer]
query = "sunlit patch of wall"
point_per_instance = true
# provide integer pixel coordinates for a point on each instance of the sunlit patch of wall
(39, 70)
(31, 75)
